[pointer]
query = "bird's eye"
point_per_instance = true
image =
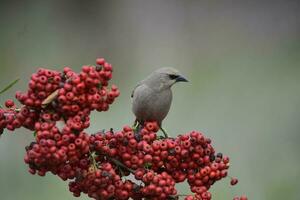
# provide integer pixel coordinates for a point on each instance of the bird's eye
(173, 76)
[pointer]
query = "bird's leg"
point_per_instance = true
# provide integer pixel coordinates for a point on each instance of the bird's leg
(164, 132)
(136, 129)
(135, 124)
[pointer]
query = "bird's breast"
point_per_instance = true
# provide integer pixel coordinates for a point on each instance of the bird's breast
(149, 104)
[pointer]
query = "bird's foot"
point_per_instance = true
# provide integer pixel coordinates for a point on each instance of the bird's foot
(164, 132)
(136, 129)
(135, 125)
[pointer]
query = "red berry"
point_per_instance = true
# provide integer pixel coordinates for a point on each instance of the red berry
(100, 61)
(243, 197)
(9, 103)
(234, 181)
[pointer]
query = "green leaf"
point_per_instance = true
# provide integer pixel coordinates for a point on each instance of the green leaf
(34, 133)
(148, 165)
(9, 86)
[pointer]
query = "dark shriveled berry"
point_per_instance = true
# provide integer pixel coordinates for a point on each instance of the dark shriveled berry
(233, 181)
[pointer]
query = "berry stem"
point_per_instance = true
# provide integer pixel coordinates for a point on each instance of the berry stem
(94, 162)
(117, 162)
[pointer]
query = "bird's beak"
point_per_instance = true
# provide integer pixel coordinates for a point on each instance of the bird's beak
(181, 79)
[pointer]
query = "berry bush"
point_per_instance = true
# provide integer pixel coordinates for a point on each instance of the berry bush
(56, 107)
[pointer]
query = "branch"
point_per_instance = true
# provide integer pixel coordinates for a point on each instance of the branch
(9, 86)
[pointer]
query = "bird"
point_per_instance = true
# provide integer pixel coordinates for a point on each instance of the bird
(152, 97)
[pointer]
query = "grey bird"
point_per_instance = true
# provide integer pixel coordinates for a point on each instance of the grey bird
(152, 97)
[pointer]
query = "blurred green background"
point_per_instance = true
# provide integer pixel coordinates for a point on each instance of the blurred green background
(242, 59)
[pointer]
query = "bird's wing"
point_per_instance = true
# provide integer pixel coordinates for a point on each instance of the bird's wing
(132, 93)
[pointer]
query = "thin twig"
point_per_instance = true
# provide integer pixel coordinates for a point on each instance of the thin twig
(9, 86)
(94, 162)
(117, 162)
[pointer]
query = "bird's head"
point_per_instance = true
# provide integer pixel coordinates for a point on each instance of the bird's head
(166, 77)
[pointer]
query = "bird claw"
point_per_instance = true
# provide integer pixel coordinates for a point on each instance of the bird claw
(164, 132)
(135, 125)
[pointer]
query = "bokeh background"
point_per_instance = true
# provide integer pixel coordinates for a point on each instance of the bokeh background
(242, 59)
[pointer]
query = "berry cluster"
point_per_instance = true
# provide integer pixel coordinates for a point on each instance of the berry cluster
(61, 152)
(102, 182)
(57, 107)
(13, 118)
(160, 163)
